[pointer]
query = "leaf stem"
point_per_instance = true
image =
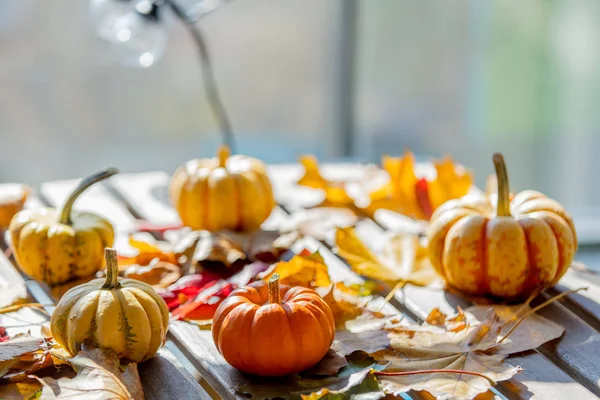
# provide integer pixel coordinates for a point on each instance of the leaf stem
(435, 371)
(65, 212)
(503, 207)
(536, 308)
(274, 293)
(13, 308)
(112, 269)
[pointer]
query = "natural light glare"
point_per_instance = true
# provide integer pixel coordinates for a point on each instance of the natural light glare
(146, 60)
(124, 35)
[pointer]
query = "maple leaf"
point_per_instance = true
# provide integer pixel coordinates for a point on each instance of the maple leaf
(417, 196)
(454, 324)
(404, 259)
(334, 191)
(466, 360)
(308, 270)
(531, 332)
(99, 376)
(319, 222)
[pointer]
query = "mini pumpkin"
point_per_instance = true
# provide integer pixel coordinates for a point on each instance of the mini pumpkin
(12, 199)
(268, 330)
(501, 246)
(125, 315)
(58, 245)
(222, 193)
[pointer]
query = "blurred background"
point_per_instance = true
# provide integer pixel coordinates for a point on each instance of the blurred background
(342, 79)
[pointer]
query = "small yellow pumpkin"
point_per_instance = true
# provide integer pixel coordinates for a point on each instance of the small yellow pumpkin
(125, 315)
(501, 246)
(58, 245)
(12, 199)
(222, 193)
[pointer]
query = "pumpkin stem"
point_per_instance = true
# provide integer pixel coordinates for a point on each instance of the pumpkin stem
(274, 294)
(503, 207)
(224, 154)
(65, 212)
(112, 269)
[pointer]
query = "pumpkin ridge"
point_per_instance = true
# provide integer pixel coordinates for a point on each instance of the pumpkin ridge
(528, 284)
(484, 277)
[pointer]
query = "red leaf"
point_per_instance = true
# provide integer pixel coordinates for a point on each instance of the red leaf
(191, 285)
(206, 303)
(422, 191)
(3, 335)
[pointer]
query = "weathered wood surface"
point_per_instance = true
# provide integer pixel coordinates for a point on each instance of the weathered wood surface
(564, 368)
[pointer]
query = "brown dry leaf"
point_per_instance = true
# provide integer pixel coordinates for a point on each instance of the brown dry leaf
(305, 269)
(19, 390)
(328, 366)
(98, 377)
(263, 245)
(404, 259)
(204, 246)
(159, 274)
(370, 342)
(470, 350)
(344, 304)
(335, 191)
(531, 333)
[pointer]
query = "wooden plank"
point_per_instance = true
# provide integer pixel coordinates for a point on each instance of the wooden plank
(147, 194)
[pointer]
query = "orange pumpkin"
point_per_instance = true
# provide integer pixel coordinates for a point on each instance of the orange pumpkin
(502, 246)
(268, 330)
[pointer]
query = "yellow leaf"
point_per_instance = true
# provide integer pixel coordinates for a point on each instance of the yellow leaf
(404, 259)
(302, 270)
(360, 258)
(451, 182)
(345, 303)
(335, 191)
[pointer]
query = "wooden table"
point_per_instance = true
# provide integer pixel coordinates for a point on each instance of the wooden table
(566, 368)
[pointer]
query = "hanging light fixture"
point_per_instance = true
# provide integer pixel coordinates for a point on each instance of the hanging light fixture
(136, 31)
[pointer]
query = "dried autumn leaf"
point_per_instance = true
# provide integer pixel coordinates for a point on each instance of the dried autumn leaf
(262, 245)
(451, 182)
(404, 259)
(159, 274)
(293, 386)
(531, 333)
(454, 324)
(335, 191)
(15, 347)
(361, 385)
(471, 351)
(328, 366)
(20, 390)
(12, 199)
(344, 306)
(148, 249)
(372, 341)
(302, 270)
(99, 376)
